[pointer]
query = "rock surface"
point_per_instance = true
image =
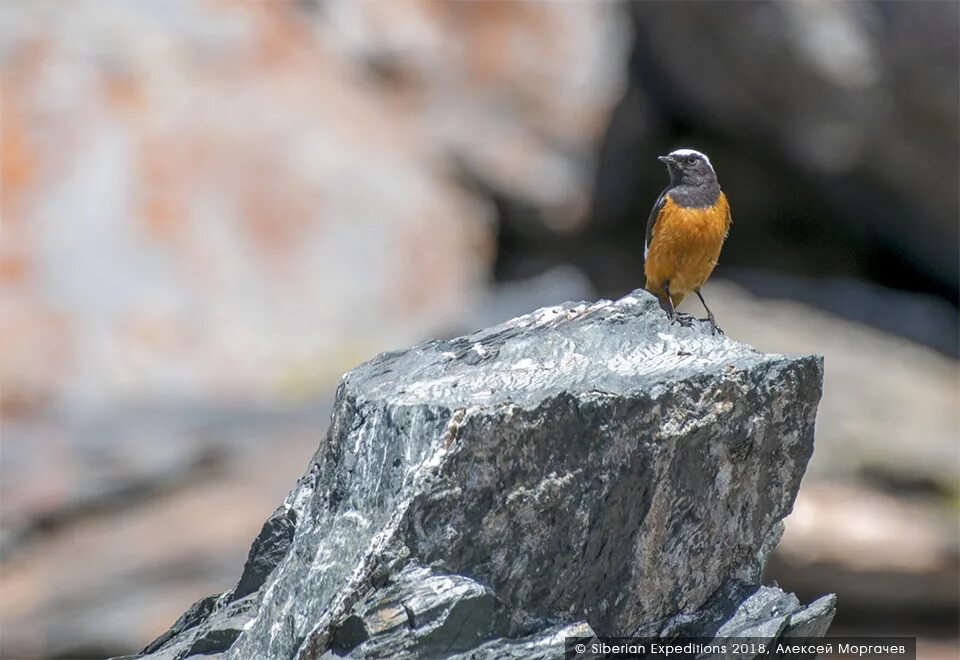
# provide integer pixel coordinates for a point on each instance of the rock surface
(556, 475)
(887, 437)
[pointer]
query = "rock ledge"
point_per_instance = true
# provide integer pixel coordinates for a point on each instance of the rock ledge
(583, 469)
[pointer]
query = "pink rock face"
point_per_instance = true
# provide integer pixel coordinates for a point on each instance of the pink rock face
(211, 200)
(224, 204)
(201, 204)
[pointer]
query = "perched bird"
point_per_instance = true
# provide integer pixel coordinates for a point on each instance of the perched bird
(685, 232)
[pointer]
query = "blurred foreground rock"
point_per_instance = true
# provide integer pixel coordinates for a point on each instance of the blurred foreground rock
(559, 474)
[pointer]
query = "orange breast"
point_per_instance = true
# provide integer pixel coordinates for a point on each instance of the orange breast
(685, 247)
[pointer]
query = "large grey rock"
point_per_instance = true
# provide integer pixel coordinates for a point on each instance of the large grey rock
(584, 469)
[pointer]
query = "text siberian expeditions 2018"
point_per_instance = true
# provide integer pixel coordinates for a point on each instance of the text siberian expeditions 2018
(742, 647)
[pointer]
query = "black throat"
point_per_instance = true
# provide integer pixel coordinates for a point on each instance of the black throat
(700, 195)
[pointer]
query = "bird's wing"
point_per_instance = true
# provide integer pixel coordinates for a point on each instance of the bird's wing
(652, 221)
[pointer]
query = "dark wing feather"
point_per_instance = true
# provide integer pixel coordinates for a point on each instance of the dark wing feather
(652, 221)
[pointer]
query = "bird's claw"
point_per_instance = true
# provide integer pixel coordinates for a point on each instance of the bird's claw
(684, 320)
(688, 320)
(714, 328)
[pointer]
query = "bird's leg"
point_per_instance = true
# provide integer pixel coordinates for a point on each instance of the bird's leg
(710, 317)
(675, 316)
(667, 302)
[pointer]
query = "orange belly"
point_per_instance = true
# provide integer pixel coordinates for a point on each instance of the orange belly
(685, 246)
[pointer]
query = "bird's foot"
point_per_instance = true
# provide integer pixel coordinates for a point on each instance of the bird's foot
(714, 328)
(683, 319)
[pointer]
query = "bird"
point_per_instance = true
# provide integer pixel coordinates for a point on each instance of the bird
(685, 233)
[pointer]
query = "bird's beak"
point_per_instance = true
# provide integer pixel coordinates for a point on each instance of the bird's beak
(665, 159)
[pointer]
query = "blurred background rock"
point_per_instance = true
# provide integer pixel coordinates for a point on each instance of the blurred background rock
(210, 210)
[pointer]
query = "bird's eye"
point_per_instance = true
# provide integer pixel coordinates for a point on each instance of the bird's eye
(691, 160)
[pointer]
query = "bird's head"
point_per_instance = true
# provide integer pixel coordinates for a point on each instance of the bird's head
(689, 167)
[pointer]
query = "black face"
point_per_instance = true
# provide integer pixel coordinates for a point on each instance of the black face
(688, 167)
